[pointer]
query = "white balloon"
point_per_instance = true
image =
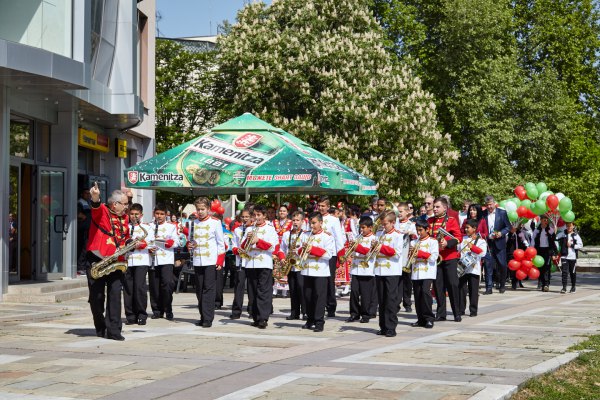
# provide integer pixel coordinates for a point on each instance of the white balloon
(545, 194)
(510, 206)
(560, 196)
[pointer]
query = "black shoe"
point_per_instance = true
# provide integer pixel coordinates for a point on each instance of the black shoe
(488, 291)
(308, 326)
(352, 319)
(331, 314)
(199, 323)
(373, 316)
(169, 316)
(458, 318)
(141, 321)
(417, 324)
(473, 314)
(390, 334)
(155, 316)
(234, 316)
(318, 328)
(116, 336)
(291, 317)
(502, 290)
(440, 318)
(463, 313)
(128, 322)
(206, 324)
(364, 320)
(572, 290)
(408, 309)
(428, 325)
(101, 332)
(262, 324)
(380, 333)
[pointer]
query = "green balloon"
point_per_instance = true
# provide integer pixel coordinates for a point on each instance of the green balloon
(502, 204)
(569, 216)
(538, 261)
(513, 216)
(565, 205)
(241, 205)
(541, 187)
(532, 193)
(526, 203)
(517, 201)
(541, 205)
(553, 268)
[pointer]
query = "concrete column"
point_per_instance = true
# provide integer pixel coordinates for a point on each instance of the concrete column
(4, 188)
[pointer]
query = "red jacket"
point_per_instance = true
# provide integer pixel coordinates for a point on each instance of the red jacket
(450, 252)
(104, 235)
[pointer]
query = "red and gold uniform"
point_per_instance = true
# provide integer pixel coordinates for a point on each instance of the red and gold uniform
(108, 231)
(282, 227)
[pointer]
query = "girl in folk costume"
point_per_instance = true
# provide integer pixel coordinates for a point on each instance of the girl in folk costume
(423, 255)
(388, 270)
(290, 244)
(472, 251)
(407, 228)
(318, 247)
(135, 295)
(261, 241)
(570, 244)
(207, 249)
(166, 239)
(363, 277)
(240, 275)
(282, 224)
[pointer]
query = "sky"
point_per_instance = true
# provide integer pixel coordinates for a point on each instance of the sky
(182, 18)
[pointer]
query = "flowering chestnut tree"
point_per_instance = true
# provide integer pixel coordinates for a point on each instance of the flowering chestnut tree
(319, 69)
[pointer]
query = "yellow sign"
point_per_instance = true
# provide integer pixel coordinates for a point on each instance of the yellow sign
(93, 140)
(121, 148)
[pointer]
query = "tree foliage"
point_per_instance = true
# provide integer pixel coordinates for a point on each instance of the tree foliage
(319, 69)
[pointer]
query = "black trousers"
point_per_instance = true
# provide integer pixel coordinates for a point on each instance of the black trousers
(447, 279)
(161, 282)
(568, 268)
(331, 299)
(315, 296)
(260, 292)
(405, 290)
(387, 293)
(219, 286)
(423, 300)
(135, 293)
(468, 283)
(229, 270)
(105, 289)
(361, 295)
(205, 291)
(545, 270)
(296, 284)
(238, 295)
(374, 302)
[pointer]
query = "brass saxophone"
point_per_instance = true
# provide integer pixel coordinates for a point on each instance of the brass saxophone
(111, 263)
(281, 268)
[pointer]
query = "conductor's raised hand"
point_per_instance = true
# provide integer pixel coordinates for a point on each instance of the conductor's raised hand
(95, 193)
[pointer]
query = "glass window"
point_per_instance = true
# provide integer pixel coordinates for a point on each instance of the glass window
(21, 132)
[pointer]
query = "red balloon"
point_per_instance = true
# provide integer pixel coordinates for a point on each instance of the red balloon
(526, 265)
(520, 275)
(552, 202)
(518, 254)
(522, 211)
(220, 210)
(530, 252)
(227, 221)
(520, 192)
(514, 265)
(533, 273)
(530, 214)
(217, 202)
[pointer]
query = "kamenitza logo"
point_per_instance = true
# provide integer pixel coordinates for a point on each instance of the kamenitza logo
(157, 177)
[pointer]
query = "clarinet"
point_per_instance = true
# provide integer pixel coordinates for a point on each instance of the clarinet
(153, 254)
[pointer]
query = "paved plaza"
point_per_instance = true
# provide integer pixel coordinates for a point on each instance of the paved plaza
(50, 352)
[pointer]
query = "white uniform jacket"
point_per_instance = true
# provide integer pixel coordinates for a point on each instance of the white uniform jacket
(472, 257)
(333, 226)
(425, 268)
(323, 248)
(210, 243)
(163, 234)
(260, 254)
(359, 257)
(389, 259)
(137, 256)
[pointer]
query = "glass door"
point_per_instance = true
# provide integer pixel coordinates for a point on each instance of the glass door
(52, 222)
(13, 224)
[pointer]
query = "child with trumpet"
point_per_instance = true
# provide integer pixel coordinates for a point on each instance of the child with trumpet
(424, 252)
(472, 250)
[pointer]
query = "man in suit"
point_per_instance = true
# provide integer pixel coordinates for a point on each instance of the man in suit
(499, 226)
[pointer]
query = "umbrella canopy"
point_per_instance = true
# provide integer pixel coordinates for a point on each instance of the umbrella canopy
(246, 155)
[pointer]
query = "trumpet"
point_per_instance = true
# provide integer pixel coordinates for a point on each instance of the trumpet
(245, 249)
(350, 250)
(442, 232)
(375, 247)
(305, 251)
(412, 257)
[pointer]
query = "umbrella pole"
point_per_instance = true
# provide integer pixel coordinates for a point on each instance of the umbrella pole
(278, 199)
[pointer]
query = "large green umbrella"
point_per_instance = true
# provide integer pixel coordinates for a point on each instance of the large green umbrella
(246, 155)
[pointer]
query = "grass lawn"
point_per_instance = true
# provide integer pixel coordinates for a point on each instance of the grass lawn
(577, 380)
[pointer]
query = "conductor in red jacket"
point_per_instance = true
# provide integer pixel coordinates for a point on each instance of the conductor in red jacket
(109, 232)
(447, 277)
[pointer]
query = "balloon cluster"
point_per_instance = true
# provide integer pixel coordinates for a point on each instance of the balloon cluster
(524, 262)
(216, 207)
(535, 199)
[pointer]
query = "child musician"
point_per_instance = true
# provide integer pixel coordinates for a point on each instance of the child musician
(166, 239)
(319, 247)
(388, 270)
(135, 293)
(425, 251)
(407, 228)
(363, 278)
(290, 243)
(261, 241)
(472, 250)
(240, 275)
(207, 249)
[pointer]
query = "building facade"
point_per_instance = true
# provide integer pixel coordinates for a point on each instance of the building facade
(76, 107)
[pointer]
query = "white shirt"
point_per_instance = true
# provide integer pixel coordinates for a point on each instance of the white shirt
(333, 226)
(386, 265)
(491, 221)
(259, 258)
(290, 243)
(165, 231)
(140, 257)
(210, 243)
(360, 265)
(409, 230)
(576, 243)
(470, 259)
(543, 236)
(318, 266)
(425, 269)
(238, 234)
